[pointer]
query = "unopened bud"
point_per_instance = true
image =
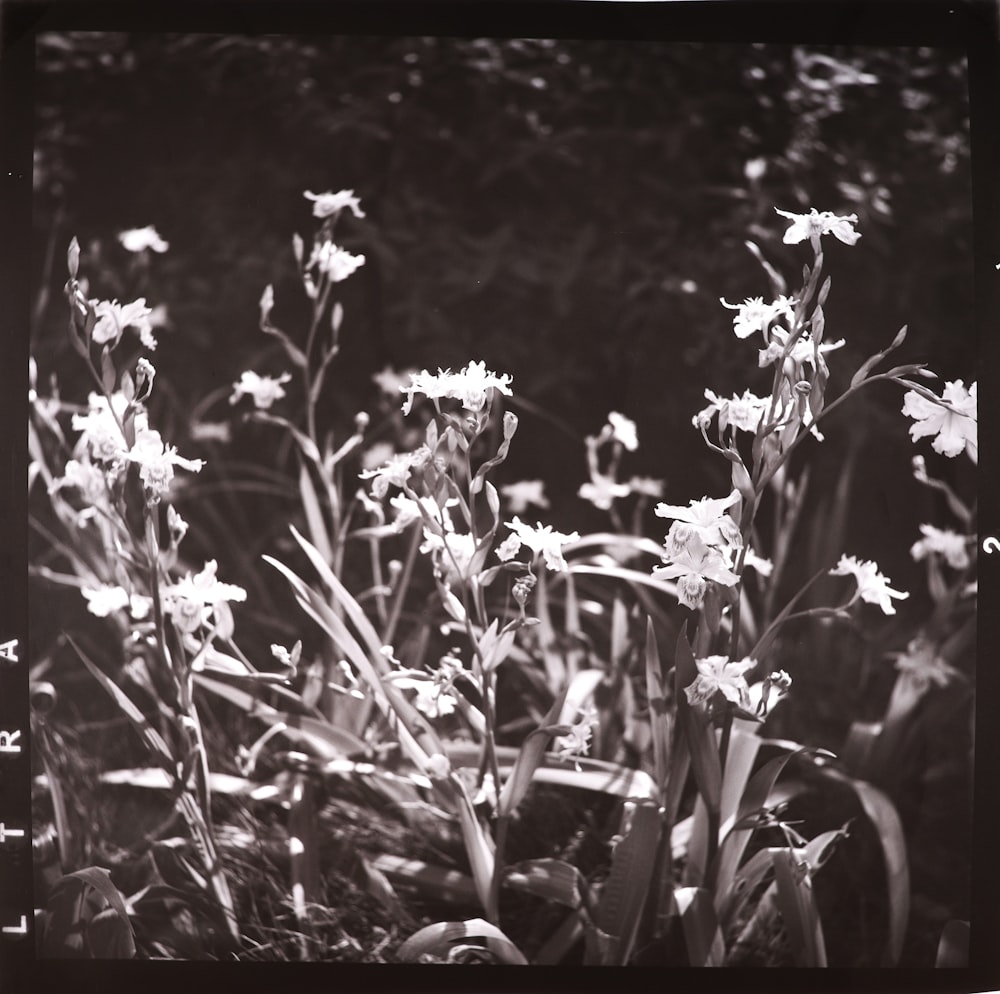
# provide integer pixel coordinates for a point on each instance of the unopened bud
(509, 425)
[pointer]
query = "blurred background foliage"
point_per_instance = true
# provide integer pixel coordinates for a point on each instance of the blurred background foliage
(570, 211)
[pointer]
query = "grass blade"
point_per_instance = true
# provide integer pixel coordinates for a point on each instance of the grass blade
(883, 816)
(150, 735)
(794, 896)
(659, 719)
(625, 891)
(701, 929)
(953, 949)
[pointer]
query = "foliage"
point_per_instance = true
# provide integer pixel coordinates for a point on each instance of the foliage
(416, 654)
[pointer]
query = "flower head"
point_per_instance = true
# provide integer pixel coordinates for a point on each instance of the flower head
(325, 204)
(396, 470)
(577, 740)
(814, 224)
(100, 427)
(955, 427)
(623, 430)
(390, 382)
(743, 413)
(802, 352)
(519, 495)
(113, 318)
(602, 491)
(453, 554)
(541, 539)
(719, 675)
(873, 587)
(695, 562)
(923, 665)
(335, 261)
(156, 462)
(706, 518)
(472, 386)
(143, 239)
(192, 601)
(942, 542)
(265, 390)
(754, 315)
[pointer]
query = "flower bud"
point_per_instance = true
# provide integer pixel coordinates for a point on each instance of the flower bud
(509, 425)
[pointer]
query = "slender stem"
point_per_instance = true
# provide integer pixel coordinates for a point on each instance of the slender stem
(401, 587)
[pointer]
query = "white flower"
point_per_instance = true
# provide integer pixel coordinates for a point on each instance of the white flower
(471, 386)
(396, 470)
(325, 204)
(408, 511)
(101, 433)
(519, 495)
(602, 491)
(623, 430)
(453, 554)
(814, 224)
(954, 430)
(752, 561)
(743, 413)
(113, 318)
(873, 587)
(141, 239)
(923, 665)
(542, 540)
(754, 315)
(390, 382)
(717, 674)
(943, 542)
(156, 462)
(191, 601)
(699, 561)
(102, 600)
(335, 261)
(646, 486)
(803, 351)
(265, 390)
(706, 517)
(85, 477)
(577, 740)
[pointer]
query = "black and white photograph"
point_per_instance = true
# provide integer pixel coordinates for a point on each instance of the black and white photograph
(499, 498)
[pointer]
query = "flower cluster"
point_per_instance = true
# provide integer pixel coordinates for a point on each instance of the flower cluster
(472, 386)
(103, 437)
(336, 262)
(700, 547)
